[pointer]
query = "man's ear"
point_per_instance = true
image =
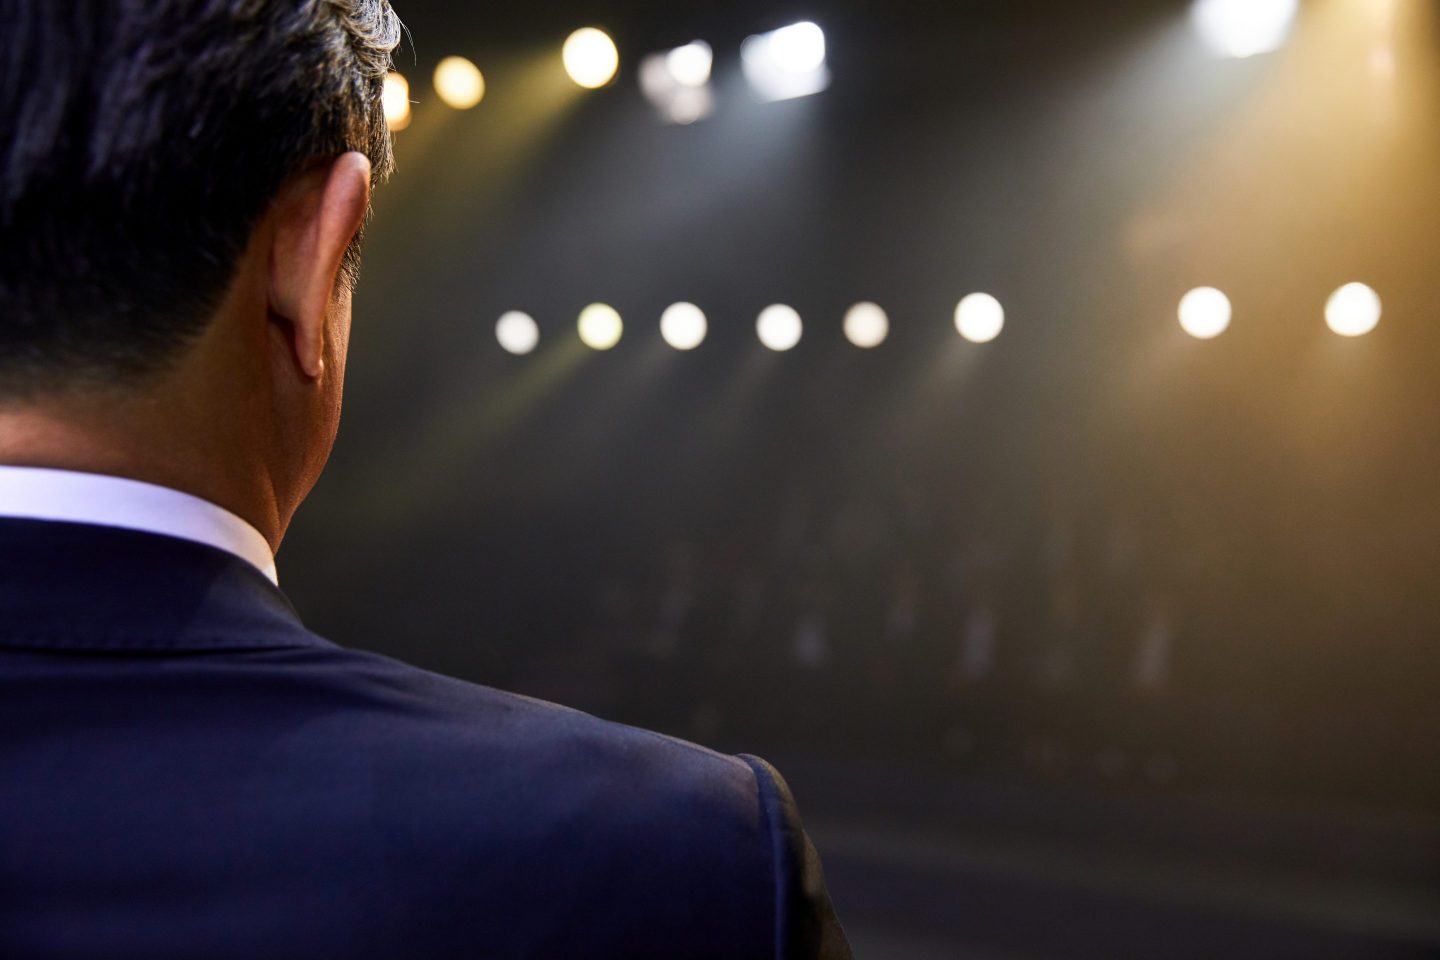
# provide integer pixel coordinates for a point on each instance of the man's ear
(316, 217)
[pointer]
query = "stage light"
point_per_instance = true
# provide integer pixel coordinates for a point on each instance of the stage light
(677, 82)
(1204, 313)
(979, 317)
(683, 326)
(785, 63)
(1243, 28)
(690, 65)
(778, 327)
(799, 47)
(517, 332)
(866, 325)
(395, 101)
(459, 83)
(600, 326)
(1352, 310)
(590, 57)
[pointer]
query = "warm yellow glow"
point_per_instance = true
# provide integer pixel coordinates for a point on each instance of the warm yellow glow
(1353, 310)
(866, 325)
(1204, 313)
(683, 326)
(979, 317)
(600, 326)
(590, 57)
(1243, 28)
(459, 83)
(517, 332)
(778, 327)
(395, 100)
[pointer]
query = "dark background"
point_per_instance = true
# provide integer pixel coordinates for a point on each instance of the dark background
(784, 553)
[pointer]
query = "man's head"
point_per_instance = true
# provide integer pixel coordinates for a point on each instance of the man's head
(182, 186)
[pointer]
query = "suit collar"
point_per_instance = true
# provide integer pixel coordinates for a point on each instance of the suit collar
(85, 587)
(43, 494)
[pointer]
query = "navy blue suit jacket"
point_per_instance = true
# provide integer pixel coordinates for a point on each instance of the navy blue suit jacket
(186, 771)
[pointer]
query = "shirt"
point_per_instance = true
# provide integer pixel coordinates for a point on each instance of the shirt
(68, 496)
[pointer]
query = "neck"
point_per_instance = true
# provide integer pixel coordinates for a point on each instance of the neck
(155, 437)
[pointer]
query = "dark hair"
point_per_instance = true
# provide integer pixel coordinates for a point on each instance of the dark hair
(140, 142)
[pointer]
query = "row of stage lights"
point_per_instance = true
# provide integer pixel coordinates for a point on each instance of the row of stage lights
(1204, 313)
(779, 65)
(785, 63)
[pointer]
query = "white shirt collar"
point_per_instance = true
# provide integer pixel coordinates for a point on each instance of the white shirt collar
(64, 495)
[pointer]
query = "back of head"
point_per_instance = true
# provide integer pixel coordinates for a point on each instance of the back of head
(140, 142)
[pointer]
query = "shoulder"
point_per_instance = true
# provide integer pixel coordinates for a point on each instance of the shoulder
(720, 836)
(407, 702)
(666, 840)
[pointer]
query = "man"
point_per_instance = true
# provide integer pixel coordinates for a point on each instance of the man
(185, 771)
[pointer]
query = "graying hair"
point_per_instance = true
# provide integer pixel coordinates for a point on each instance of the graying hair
(140, 142)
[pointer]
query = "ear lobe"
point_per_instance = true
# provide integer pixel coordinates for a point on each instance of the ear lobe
(316, 223)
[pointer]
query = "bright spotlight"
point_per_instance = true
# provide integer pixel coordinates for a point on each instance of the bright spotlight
(866, 325)
(690, 65)
(459, 83)
(677, 82)
(778, 327)
(1243, 28)
(1204, 313)
(786, 63)
(600, 326)
(590, 57)
(1353, 310)
(517, 332)
(683, 326)
(979, 317)
(395, 101)
(798, 48)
